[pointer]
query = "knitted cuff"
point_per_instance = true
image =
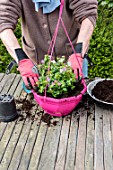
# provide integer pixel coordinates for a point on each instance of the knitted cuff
(78, 48)
(20, 54)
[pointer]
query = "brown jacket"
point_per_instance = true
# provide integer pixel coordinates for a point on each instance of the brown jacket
(38, 28)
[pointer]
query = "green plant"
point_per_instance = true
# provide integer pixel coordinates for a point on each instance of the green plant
(58, 79)
(109, 3)
(101, 45)
(5, 57)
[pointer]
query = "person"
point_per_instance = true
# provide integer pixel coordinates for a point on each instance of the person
(38, 28)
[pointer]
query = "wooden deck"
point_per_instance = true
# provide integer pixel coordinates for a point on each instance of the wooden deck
(82, 140)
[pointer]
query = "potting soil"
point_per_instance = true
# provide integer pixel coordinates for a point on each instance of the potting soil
(24, 109)
(104, 91)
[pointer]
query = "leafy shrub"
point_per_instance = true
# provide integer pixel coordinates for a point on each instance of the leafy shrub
(101, 45)
(109, 3)
(5, 57)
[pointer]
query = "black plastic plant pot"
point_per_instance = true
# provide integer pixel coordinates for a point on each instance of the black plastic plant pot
(7, 108)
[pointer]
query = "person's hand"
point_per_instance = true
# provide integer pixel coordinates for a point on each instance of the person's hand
(28, 70)
(77, 67)
(29, 73)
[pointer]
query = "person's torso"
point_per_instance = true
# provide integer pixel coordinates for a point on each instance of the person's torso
(38, 30)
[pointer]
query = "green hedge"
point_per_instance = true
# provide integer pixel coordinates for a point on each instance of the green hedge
(5, 58)
(101, 44)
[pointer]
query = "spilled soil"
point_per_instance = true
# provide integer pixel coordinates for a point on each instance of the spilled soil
(25, 110)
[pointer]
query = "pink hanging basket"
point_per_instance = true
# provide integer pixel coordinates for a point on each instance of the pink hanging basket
(59, 107)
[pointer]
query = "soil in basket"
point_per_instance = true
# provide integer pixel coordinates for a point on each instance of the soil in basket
(104, 91)
(76, 91)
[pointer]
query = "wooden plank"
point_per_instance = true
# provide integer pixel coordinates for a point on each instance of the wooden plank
(5, 89)
(8, 131)
(108, 162)
(15, 85)
(81, 142)
(19, 90)
(25, 159)
(49, 152)
(6, 82)
(36, 154)
(5, 157)
(10, 148)
(2, 125)
(111, 119)
(72, 143)
(2, 129)
(61, 157)
(12, 145)
(20, 146)
(98, 146)
(1, 76)
(89, 158)
(19, 149)
(6, 137)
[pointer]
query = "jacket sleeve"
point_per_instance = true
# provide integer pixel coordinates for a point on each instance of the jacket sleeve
(84, 9)
(10, 11)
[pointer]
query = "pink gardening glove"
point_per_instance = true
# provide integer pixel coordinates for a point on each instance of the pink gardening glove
(75, 65)
(29, 72)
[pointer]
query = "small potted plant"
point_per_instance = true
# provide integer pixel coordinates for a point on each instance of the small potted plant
(58, 91)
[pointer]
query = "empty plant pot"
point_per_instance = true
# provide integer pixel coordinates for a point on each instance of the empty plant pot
(7, 108)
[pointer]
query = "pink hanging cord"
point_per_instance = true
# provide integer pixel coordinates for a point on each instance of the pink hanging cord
(56, 30)
(52, 44)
